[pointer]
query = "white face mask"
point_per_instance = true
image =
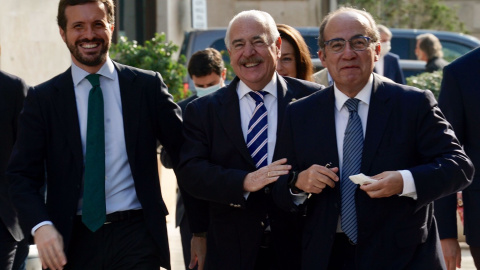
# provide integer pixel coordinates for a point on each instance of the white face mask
(386, 47)
(203, 91)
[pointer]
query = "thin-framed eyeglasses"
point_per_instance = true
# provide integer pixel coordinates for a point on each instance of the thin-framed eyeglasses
(358, 43)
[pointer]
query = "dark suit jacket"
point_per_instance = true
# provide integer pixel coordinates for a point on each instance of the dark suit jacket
(197, 209)
(215, 161)
(435, 64)
(459, 100)
(391, 68)
(12, 94)
(405, 130)
(49, 143)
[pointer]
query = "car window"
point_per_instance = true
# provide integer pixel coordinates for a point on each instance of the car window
(402, 47)
(453, 50)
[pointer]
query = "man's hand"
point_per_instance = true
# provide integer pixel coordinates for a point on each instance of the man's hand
(258, 179)
(198, 251)
(316, 178)
(389, 183)
(50, 247)
(451, 253)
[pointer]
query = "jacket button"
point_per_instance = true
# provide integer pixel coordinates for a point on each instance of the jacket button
(267, 190)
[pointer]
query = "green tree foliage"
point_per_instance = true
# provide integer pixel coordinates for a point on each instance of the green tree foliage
(413, 14)
(431, 81)
(155, 55)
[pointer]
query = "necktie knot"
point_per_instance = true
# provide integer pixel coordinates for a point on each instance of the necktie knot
(258, 95)
(352, 104)
(94, 79)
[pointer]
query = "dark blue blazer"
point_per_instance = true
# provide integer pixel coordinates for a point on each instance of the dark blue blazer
(459, 100)
(49, 143)
(214, 162)
(405, 131)
(391, 68)
(12, 94)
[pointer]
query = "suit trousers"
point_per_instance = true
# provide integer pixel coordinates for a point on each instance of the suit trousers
(343, 253)
(125, 244)
(475, 251)
(12, 253)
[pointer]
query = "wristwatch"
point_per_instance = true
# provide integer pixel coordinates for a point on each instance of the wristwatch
(292, 180)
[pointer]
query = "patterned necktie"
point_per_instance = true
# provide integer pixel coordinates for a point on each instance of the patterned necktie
(352, 160)
(257, 136)
(94, 209)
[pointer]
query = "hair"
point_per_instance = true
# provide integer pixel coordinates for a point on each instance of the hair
(204, 62)
(372, 31)
(303, 62)
(261, 17)
(383, 29)
(62, 5)
(430, 45)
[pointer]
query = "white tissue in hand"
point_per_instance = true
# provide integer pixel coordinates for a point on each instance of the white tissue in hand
(361, 179)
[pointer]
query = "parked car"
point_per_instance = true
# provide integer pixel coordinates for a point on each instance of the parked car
(403, 44)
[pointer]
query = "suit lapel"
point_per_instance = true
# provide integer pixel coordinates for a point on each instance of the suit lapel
(131, 98)
(325, 128)
(229, 115)
(378, 114)
(66, 107)
(285, 95)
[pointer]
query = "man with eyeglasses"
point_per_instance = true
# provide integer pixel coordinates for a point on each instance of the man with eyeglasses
(392, 137)
(228, 158)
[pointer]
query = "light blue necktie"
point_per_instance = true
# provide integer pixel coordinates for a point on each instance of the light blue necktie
(257, 134)
(352, 160)
(93, 208)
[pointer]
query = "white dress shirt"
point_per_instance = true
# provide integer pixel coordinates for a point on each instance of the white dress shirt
(247, 106)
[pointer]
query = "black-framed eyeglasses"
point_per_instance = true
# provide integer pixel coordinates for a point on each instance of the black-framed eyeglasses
(358, 43)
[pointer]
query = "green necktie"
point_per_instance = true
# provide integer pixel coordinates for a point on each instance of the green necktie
(94, 209)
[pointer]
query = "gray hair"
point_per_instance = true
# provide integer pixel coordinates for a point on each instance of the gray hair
(430, 45)
(260, 16)
(383, 29)
(372, 32)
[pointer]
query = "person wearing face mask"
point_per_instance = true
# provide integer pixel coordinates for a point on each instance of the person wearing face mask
(208, 72)
(388, 63)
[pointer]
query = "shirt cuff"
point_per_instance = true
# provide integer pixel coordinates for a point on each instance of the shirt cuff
(409, 188)
(40, 225)
(298, 198)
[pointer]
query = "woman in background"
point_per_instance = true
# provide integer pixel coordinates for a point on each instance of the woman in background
(295, 60)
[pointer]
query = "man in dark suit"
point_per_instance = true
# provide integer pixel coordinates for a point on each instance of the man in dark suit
(120, 224)
(13, 247)
(396, 135)
(218, 166)
(388, 63)
(208, 73)
(459, 98)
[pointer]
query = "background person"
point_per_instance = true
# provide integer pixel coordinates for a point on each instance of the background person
(429, 49)
(92, 131)
(295, 59)
(388, 64)
(13, 246)
(218, 166)
(459, 97)
(367, 124)
(208, 72)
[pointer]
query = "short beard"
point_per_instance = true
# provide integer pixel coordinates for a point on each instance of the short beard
(93, 60)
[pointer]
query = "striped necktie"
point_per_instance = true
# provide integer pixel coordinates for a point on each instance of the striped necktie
(257, 134)
(352, 161)
(94, 207)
